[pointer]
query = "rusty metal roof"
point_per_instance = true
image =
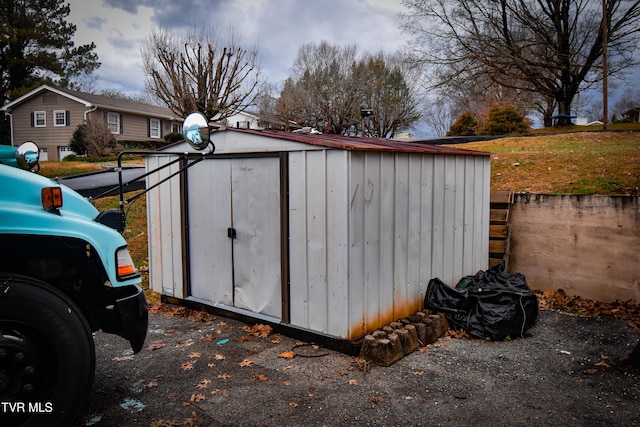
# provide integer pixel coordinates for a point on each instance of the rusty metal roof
(360, 143)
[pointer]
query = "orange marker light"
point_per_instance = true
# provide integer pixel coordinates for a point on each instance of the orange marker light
(51, 198)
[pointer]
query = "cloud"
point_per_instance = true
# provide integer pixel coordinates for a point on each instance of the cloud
(279, 27)
(126, 5)
(95, 22)
(122, 43)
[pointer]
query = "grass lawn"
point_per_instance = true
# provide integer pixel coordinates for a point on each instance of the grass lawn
(568, 163)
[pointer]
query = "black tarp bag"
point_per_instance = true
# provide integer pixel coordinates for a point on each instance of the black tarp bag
(490, 305)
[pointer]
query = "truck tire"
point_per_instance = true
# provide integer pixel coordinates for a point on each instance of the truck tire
(47, 354)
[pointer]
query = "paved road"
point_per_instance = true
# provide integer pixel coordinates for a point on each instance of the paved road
(104, 183)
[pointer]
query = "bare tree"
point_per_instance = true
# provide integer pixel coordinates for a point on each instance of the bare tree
(549, 47)
(388, 88)
(627, 101)
(201, 72)
(324, 92)
(98, 139)
(439, 115)
(331, 84)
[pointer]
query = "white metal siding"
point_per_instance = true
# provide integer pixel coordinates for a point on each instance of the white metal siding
(318, 240)
(363, 257)
(165, 229)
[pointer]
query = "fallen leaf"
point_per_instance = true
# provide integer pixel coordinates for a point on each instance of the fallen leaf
(195, 354)
(186, 366)
(286, 383)
(259, 330)
(122, 358)
(259, 377)
(417, 372)
(203, 384)
(245, 338)
(293, 404)
(197, 398)
(590, 371)
(287, 367)
(287, 355)
(165, 423)
(152, 383)
(353, 382)
(185, 343)
(373, 398)
(224, 376)
(245, 363)
(602, 364)
(155, 345)
(603, 357)
(220, 391)
(219, 357)
(193, 421)
(207, 337)
(210, 365)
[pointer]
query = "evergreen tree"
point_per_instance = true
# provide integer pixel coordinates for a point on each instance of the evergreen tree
(465, 126)
(36, 47)
(504, 121)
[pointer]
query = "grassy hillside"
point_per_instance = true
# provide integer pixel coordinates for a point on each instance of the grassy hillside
(568, 163)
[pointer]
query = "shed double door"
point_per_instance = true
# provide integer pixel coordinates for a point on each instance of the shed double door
(234, 233)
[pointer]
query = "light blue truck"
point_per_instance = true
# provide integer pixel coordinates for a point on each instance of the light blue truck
(65, 272)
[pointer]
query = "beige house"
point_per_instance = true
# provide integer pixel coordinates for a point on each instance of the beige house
(48, 116)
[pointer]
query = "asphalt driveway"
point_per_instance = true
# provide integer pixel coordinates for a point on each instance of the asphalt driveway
(204, 370)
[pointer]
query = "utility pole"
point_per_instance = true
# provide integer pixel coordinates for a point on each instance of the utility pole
(605, 103)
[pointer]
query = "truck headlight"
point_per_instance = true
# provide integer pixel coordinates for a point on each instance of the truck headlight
(124, 264)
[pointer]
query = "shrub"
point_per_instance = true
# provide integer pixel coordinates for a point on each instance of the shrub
(504, 121)
(465, 126)
(172, 137)
(77, 142)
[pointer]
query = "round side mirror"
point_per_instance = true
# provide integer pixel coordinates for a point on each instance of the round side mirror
(28, 155)
(196, 131)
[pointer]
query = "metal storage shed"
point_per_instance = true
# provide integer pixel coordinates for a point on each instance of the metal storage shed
(329, 235)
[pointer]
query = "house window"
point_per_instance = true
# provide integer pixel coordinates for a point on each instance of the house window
(39, 119)
(113, 120)
(59, 118)
(154, 128)
(176, 127)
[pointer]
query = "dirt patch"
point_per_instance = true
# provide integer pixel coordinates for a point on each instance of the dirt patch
(213, 371)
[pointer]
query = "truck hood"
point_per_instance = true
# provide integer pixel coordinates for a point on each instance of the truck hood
(21, 212)
(23, 187)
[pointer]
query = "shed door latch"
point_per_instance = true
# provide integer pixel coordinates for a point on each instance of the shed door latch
(231, 233)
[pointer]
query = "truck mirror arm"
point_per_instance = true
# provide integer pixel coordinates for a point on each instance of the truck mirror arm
(182, 156)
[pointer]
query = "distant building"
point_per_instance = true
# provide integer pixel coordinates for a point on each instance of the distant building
(633, 114)
(49, 115)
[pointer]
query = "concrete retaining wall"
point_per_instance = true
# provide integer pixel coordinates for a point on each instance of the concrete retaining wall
(586, 245)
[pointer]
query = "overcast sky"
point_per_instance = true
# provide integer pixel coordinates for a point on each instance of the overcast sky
(280, 27)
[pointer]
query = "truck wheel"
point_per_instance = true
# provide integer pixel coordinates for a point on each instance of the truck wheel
(47, 355)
